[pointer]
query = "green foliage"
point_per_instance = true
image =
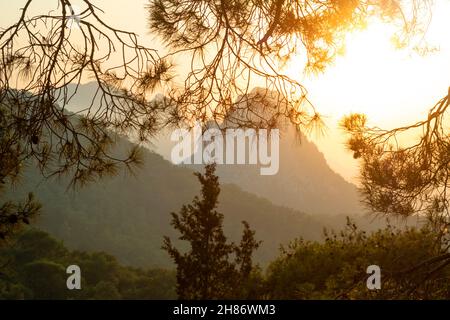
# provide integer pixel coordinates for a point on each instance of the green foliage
(34, 267)
(45, 279)
(413, 266)
(130, 222)
(206, 271)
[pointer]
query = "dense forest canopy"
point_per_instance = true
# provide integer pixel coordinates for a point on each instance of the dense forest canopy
(35, 268)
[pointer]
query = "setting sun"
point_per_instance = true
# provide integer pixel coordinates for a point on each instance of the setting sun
(391, 86)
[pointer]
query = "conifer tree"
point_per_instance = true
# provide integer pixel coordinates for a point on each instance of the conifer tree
(207, 270)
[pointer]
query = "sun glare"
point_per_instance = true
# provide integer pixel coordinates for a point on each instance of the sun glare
(362, 69)
(393, 87)
(376, 78)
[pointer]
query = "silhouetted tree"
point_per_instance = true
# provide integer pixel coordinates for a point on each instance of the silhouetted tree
(234, 46)
(407, 179)
(34, 267)
(43, 59)
(13, 215)
(400, 178)
(206, 270)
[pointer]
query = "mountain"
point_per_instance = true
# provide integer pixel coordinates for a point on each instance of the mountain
(304, 181)
(127, 215)
(300, 177)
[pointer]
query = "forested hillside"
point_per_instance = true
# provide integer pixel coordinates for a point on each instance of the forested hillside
(128, 215)
(34, 267)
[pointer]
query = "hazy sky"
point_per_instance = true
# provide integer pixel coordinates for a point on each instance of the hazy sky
(392, 87)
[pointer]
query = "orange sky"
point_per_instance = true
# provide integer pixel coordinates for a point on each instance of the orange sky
(392, 87)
